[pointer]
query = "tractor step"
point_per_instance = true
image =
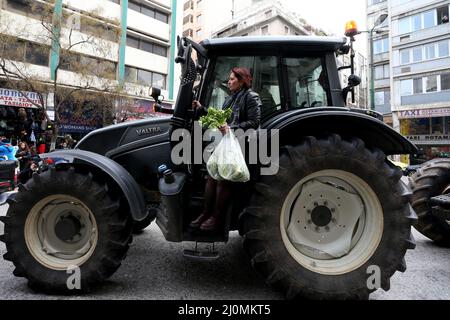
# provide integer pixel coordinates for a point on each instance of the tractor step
(207, 254)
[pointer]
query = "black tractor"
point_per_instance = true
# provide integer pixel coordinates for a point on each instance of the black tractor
(431, 200)
(332, 221)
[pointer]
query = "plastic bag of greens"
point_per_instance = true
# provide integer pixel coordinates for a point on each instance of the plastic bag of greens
(227, 161)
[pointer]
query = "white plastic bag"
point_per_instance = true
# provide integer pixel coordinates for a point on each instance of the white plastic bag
(227, 161)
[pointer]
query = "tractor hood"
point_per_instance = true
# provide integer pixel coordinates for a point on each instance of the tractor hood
(104, 141)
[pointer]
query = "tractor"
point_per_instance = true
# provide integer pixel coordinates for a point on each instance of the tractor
(331, 216)
(431, 200)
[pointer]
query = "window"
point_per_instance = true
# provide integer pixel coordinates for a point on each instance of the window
(265, 81)
(36, 10)
(382, 72)
(36, 54)
(429, 19)
(417, 86)
(188, 33)
(147, 46)
(406, 87)
(443, 49)
(383, 101)
(199, 19)
(25, 51)
(430, 50)
(286, 30)
(158, 80)
(416, 22)
(130, 74)
(442, 14)
(265, 30)
(422, 20)
(431, 83)
(419, 126)
(199, 33)
(188, 19)
(133, 42)
(161, 17)
(308, 83)
(405, 56)
(379, 98)
(437, 125)
(417, 54)
(148, 11)
(445, 81)
(404, 25)
(381, 46)
(145, 77)
(188, 5)
(160, 50)
(134, 6)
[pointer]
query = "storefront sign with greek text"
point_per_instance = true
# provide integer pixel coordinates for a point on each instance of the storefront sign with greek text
(424, 113)
(16, 98)
(429, 139)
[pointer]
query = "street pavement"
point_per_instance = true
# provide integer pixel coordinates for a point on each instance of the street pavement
(156, 269)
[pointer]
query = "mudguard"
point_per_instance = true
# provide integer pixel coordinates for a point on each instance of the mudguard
(343, 121)
(124, 180)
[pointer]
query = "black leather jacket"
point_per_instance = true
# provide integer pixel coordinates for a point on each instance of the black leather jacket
(249, 105)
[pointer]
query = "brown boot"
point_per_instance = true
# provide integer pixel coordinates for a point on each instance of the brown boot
(210, 224)
(198, 222)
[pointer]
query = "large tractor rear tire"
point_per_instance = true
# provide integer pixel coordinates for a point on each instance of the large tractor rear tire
(334, 223)
(432, 179)
(64, 232)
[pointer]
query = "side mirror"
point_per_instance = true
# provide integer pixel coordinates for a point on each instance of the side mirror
(353, 81)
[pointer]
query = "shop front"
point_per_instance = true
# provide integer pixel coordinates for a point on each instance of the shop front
(77, 121)
(21, 118)
(429, 129)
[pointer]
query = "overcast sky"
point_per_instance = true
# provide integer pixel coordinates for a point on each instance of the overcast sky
(331, 15)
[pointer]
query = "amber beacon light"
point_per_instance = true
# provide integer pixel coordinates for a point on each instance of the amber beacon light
(351, 29)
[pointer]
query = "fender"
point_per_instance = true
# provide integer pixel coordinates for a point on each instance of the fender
(121, 177)
(343, 121)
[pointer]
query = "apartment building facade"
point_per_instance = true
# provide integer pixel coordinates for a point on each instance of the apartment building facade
(138, 35)
(414, 60)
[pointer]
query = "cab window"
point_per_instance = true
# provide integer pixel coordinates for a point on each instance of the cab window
(264, 70)
(307, 82)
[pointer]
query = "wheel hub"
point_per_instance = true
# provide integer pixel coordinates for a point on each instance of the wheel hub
(60, 232)
(67, 228)
(321, 216)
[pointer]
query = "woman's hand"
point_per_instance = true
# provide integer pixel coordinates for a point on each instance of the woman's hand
(224, 129)
(196, 104)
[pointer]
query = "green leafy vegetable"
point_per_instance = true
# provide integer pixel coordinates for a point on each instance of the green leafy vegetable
(215, 118)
